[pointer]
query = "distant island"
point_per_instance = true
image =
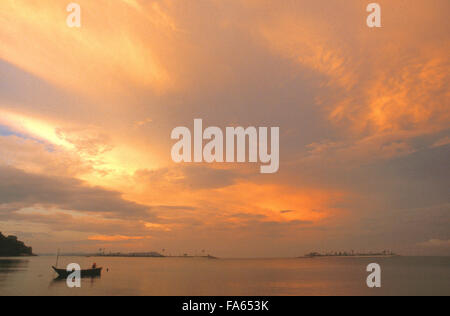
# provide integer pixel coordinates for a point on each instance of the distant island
(12, 247)
(385, 253)
(146, 255)
(136, 254)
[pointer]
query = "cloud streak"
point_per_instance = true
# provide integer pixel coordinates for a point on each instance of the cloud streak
(23, 190)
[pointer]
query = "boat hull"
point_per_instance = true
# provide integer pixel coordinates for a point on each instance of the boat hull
(90, 273)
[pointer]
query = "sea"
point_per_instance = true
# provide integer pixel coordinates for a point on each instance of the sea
(339, 276)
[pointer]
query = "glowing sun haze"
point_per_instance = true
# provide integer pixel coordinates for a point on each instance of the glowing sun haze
(364, 115)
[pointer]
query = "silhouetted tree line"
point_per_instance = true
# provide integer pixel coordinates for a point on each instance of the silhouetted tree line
(12, 247)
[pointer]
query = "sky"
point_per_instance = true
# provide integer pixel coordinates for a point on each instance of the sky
(86, 116)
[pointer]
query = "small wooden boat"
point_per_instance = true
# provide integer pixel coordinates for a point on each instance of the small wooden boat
(88, 273)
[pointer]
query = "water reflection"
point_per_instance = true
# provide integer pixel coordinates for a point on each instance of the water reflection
(259, 277)
(9, 266)
(61, 281)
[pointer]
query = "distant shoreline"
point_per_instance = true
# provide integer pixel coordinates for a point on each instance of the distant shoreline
(360, 256)
(385, 254)
(233, 258)
(146, 256)
(18, 256)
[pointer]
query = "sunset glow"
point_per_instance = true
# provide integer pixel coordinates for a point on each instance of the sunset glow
(86, 116)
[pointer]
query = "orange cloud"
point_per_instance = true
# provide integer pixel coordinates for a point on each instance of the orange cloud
(108, 159)
(384, 84)
(117, 238)
(279, 203)
(100, 57)
(144, 67)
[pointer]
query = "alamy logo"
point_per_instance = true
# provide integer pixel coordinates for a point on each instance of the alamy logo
(236, 145)
(374, 279)
(74, 18)
(374, 18)
(74, 278)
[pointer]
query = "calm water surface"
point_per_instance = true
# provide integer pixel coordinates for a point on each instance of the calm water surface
(198, 277)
